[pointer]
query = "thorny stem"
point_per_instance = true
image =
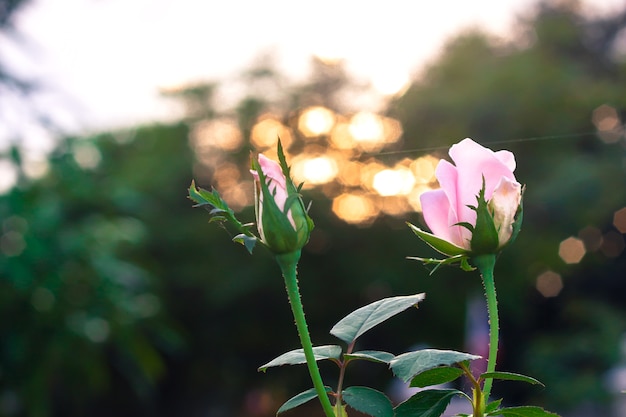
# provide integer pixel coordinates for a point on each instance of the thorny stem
(486, 264)
(288, 263)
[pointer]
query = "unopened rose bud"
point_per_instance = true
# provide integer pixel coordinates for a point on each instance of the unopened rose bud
(282, 220)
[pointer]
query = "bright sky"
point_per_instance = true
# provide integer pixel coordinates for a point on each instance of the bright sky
(108, 58)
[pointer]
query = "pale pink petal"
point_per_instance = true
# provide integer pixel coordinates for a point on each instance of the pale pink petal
(507, 158)
(473, 162)
(276, 183)
(440, 218)
(275, 178)
(435, 208)
(504, 203)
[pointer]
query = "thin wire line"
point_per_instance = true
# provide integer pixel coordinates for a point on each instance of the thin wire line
(496, 142)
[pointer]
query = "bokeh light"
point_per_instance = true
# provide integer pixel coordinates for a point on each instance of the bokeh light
(612, 244)
(424, 169)
(341, 137)
(35, 166)
(239, 196)
(86, 155)
(267, 130)
(549, 284)
(354, 208)
(414, 196)
(619, 220)
(313, 170)
(367, 130)
(223, 133)
(572, 250)
(591, 237)
(390, 182)
(606, 120)
(8, 175)
(316, 121)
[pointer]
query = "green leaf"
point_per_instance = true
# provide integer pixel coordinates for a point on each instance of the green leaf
(493, 406)
(428, 403)
(524, 411)
(222, 213)
(300, 399)
(436, 376)
(511, 377)
(247, 241)
(440, 245)
(371, 355)
(408, 365)
(368, 401)
(296, 357)
(363, 319)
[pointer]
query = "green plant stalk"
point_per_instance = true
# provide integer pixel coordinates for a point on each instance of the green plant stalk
(486, 264)
(478, 398)
(288, 263)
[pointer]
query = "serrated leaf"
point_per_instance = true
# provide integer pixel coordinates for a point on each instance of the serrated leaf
(509, 376)
(440, 245)
(408, 365)
(245, 240)
(296, 356)
(493, 406)
(436, 376)
(368, 401)
(524, 411)
(370, 355)
(220, 212)
(428, 403)
(300, 399)
(363, 319)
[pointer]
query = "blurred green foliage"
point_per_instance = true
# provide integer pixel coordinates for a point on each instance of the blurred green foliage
(118, 298)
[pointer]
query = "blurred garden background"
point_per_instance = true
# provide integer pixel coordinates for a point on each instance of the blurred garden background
(118, 298)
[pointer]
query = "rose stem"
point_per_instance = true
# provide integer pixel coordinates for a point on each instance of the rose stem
(486, 264)
(288, 263)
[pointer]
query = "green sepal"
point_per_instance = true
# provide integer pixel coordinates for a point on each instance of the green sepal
(509, 376)
(291, 188)
(278, 233)
(519, 217)
(461, 259)
(368, 401)
(485, 234)
(440, 245)
(466, 225)
(297, 357)
(300, 399)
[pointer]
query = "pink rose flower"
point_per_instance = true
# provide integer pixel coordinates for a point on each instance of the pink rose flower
(451, 211)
